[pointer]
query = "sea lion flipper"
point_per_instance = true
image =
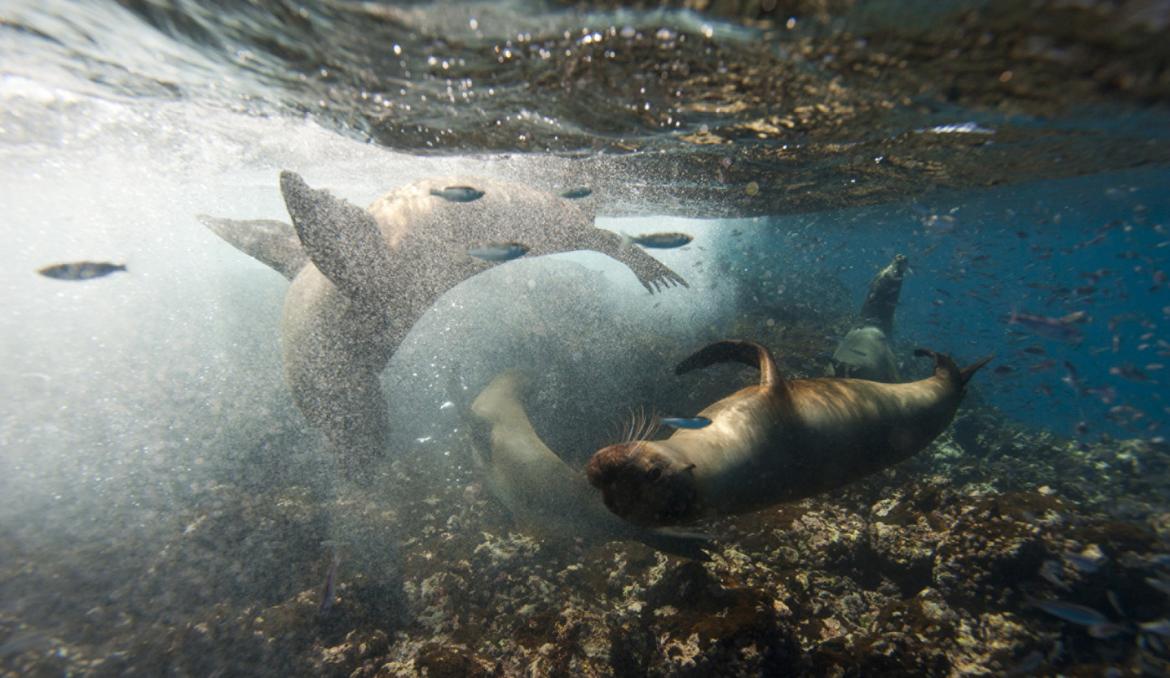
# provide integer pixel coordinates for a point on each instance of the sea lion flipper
(342, 240)
(946, 365)
(270, 242)
(653, 274)
(734, 350)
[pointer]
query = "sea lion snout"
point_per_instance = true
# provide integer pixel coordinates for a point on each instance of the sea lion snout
(644, 485)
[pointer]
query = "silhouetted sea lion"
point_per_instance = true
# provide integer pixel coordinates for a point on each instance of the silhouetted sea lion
(865, 352)
(370, 274)
(541, 491)
(778, 441)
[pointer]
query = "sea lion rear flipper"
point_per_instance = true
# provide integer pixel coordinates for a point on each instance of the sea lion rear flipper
(945, 364)
(342, 240)
(734, 350)
(270, 242)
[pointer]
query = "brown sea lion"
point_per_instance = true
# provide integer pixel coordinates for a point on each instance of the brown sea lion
(544, 494)
(362, 278)
(775, 442)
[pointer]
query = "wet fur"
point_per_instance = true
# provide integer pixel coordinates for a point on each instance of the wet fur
(774, 442)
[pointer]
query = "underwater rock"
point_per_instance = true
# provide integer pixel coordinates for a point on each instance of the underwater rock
(695, 625)
(830, 537)
(991, 546)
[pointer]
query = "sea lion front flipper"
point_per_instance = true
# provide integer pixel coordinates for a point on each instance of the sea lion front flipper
(735, 350)
(342, 240)
(268, 241)
(653, 274)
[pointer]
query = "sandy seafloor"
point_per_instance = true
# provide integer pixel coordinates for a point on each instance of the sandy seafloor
(933, 567)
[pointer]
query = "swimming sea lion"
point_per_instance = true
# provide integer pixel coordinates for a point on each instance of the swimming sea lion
(778, 441)
(882, 298)
(865, 352)
(370, 275)
(543, 494)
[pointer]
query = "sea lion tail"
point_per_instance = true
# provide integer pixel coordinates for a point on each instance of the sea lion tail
(735, 350)
(945, 365)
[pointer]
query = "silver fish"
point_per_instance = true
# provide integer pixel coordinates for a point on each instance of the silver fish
(499, 251)
(328, 591)
(1073, 613)
(80, 270)
(660, 240)
(458, 193)
(1062, 328)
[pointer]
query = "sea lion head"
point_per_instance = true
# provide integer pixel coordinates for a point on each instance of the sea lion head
(645, 484)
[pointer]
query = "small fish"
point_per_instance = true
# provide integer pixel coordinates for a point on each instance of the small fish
(1051, 571)
(1004, 370)
(1087, 564)
(660, 240)
(19, 643)
(686, 422)
(1106, 630)
(1159, 584)
(577, 193)
(499, 251)
(1128, 371)
(1071, 378)
(80, 270)
(1160, 627)
(328, 591)
(1073, 613)
(1062, 328)
(1028, 665)
(458, 193)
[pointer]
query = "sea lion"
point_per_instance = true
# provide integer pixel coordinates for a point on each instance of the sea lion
(362, 278)
(865, 352)
(543, 493)
(882, 298)
(775, 442)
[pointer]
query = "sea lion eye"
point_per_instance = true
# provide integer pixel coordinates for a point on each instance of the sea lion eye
(654, 474)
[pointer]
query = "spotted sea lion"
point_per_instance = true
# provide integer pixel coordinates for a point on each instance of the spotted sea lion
(777, 441)
(542, 492)
(362, 278)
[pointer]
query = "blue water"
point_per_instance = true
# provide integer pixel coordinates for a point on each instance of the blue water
(157, 478)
